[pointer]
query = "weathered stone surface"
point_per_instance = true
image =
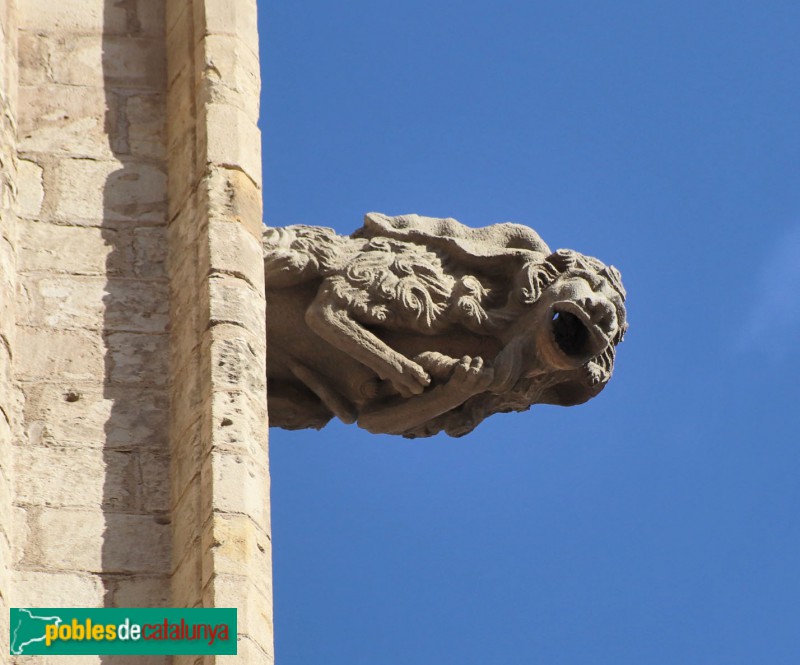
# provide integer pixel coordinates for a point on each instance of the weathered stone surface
(234, 301)
(235, 364)
(233, 251)
(102, 542)
(65, 120)
(81, 414)
(33, 58)
(150, 252)
(132, 191)
(230, 18)
(125, 62)
(239, 484)
(232, 543)
(66, 356)
(95, 302)
(239, 421)
(30, 197)
(137, 359)
(232, 73)
(233, 196)
(73, 15)
(240, 145)
(76, 250)
(145, 117)
(415, 325)
(49, 589)
(9, 403)
(142, 592)
(255, 609)
(152, 481)
(62, 477)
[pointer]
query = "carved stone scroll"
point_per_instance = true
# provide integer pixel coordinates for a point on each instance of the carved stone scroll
(414, 325)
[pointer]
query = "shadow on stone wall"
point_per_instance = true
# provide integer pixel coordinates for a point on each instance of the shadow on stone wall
(137, 539)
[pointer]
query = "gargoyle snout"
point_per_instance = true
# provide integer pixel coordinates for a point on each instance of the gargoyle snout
(602, 314)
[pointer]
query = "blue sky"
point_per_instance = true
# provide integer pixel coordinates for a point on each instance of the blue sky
(657, 524)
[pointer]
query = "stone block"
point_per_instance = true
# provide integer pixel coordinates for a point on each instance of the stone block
(63, 356)
(237, 359)
(33, 58)
(238, 484)
(235, 301)
(234, 197)
(29, 197)
(71, 302)
(138, 359)
(234, 139)
(254, 608)
(74, 477)
(152, 480)
(231, 73)
(99, 542)
(78, 250)
(229, 17)
(142, 592)
(234, 545)
(150, 252)
(99, 61)
(23, 541)
(236, 252)
(111, 190)
(240, 423)
(72, 16)
(65, 120)
(50, 589)
(7, 287)
(145, 115)
(150, 15)
(89, 416)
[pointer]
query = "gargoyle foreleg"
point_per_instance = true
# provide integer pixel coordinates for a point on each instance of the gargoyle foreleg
(327, 319)
(470, 377)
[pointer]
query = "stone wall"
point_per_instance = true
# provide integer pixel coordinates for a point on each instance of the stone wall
(136, 398)
(92, 453)
(8, 86)
(220, 482)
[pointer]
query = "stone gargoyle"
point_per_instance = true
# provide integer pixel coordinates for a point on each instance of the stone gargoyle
(414, 325)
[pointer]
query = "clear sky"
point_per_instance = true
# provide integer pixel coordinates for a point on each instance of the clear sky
(658, 524)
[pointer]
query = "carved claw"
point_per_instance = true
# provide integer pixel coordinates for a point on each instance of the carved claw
(471, 375)
(410, 379)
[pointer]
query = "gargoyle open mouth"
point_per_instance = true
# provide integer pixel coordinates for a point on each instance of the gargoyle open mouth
(574, 333)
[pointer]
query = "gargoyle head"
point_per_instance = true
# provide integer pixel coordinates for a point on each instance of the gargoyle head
(573, 315)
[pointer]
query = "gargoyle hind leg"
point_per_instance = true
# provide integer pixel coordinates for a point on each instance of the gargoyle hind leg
(339, 406)
(326, 317)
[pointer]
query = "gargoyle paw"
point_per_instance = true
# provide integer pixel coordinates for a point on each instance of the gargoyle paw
(472, 375)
